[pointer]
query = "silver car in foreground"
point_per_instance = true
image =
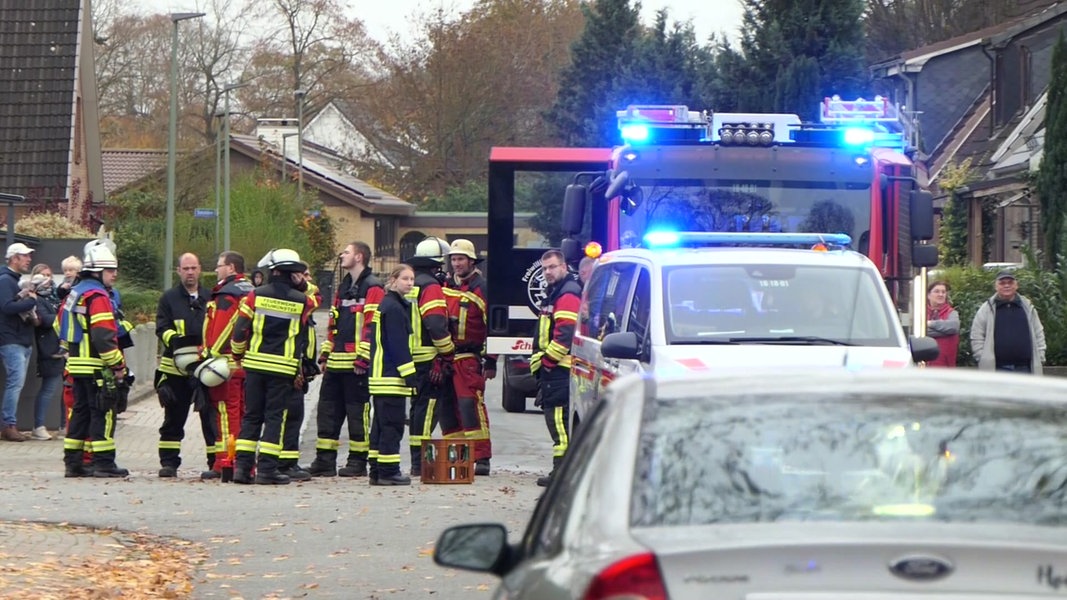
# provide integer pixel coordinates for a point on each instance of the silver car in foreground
(874, 485)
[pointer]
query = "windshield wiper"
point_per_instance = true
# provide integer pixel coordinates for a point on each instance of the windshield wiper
(800, 340)
(709, 342)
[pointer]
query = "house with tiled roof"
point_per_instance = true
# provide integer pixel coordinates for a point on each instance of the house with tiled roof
(979, 99)
(123, 167)
(48, 104)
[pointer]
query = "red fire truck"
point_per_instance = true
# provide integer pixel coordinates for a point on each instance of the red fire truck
(679, 169)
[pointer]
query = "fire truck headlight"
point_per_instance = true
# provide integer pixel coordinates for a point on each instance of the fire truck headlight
(860, 160)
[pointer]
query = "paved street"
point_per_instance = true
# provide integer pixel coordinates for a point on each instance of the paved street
(326, 538)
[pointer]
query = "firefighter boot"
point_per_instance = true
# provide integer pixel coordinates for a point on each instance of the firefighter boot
(74, 467)
(211, 473)
(293, 471)
(372, 473)
(397, 478)
(356, 466)
(267, 472)
(109, 470)
(544, 481)
(416, 462)
(325, 464)
(242, 472)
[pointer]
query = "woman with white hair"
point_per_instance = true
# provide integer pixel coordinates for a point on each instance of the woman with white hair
(50, 357)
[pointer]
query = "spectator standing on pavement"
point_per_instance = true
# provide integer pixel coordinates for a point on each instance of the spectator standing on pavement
(1006, 334)
(585, 270)
(50, 357)
(89, 330)
(550, 361)
(461, 407)
(344, 395)
(257, 278)
(942, 324)
(180, 324)
(219, 318)
(16, 335)
(392, 375)
(268, 341)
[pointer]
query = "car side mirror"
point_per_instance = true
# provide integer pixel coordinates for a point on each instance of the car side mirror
(924, 349)
(479, 547)
(624, 344)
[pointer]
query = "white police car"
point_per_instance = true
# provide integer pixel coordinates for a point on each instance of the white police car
(675, 309)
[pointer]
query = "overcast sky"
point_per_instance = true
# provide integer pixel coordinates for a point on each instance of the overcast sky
(709, 16)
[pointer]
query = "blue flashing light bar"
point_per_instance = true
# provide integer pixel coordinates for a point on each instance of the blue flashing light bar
(634, 132)
(671, 239)
(858, 136)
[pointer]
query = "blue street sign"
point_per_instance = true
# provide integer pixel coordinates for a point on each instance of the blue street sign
(203, 213)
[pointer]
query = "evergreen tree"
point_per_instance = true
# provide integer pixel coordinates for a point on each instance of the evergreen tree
(794, 53)
(605, 46)
(1052, 176)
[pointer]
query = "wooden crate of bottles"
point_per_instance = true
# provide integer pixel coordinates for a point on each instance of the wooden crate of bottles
(447, 461)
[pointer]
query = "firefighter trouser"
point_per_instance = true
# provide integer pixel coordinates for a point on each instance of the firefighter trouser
(555, 399)
(266, 397)
(343, 396)
(461, 407)
(421, 419)
(385, 435)
(89, 428)
(175, 413)
(291, 422)
(228, 401)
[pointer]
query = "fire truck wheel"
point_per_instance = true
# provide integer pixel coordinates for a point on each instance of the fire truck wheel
(514, 401)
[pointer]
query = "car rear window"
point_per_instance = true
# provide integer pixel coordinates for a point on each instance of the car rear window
(844, 457)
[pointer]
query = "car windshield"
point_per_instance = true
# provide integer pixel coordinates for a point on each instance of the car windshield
(849, 457)
(777, 304)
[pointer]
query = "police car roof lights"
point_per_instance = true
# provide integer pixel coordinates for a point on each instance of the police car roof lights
(673, 239)
(661, 124)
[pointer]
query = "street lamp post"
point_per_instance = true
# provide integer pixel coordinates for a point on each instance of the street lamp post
(172, 141)
(218, 179)
(299, 95)
(226, 162)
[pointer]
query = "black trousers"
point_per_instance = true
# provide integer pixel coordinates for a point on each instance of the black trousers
(175, 414)
(422, 418)
(385, 436)
(266, 397)
(291, 422)
(556, 403)
(87, 422)
(343, 396)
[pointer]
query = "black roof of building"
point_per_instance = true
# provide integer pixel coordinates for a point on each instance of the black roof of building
(37, 91)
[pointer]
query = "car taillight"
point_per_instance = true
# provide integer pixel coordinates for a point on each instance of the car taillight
(633, 578)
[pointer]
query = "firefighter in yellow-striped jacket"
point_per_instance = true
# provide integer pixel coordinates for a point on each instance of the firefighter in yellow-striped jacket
(269, 340)
(392, 377)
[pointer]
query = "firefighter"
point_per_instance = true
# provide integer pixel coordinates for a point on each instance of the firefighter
(392, 376)
(344, 394)
(180, 327)
(268, 342)
(461, 409)
(433, 349)
(228, 398)
(88, 329)
(293, 419)
(550, 362)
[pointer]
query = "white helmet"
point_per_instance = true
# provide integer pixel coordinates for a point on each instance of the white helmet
(185, 356)
(282, 259)
(213, 371)
(432, 249)
(463, 248)
(99, 255)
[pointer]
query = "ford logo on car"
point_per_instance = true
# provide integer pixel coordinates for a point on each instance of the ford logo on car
(919, 567)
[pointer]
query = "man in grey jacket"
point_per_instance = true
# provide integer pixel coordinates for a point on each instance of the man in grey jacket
(1006, 334)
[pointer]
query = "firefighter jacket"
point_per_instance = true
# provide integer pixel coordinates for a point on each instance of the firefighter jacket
(555, 326)
(87, 327)
(270, 335)
(221, 315)
(350, 315)
(392, 337)
(179, 322)
(467, 316)
(429, 319)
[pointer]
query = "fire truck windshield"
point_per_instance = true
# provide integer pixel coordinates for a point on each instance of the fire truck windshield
(748, 206)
